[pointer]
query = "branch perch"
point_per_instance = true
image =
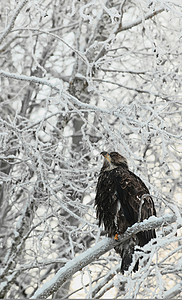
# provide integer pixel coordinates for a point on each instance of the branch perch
(94, 253)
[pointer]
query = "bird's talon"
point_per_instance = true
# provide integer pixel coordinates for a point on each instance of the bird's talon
(116, 237)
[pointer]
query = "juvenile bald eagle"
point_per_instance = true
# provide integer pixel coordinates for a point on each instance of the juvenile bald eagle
(123, 199)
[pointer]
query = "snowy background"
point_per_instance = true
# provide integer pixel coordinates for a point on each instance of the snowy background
(77, 78)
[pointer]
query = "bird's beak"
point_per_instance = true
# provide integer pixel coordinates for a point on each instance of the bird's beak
(106, 156)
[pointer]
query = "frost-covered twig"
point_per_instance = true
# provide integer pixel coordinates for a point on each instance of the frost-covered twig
(94, 253)
(140, 20)
(43, 81)
(174, 291)
(67, 95)
(107, 287)
(133, 89)
(20, 234)
(105, 280)
(13, 19)
(33, 79)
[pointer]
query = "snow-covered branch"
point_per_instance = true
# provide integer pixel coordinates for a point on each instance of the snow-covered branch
(174, 291)
(140, 20)
(95, 252)
(32, 79)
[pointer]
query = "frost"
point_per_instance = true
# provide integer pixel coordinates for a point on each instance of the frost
(78, 78)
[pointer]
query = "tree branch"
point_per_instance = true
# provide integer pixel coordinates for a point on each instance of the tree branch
(95, 252)
(174, 291)
(13, 19)
(140, 20)
(72, 99)
(19, 237)
(103, 283)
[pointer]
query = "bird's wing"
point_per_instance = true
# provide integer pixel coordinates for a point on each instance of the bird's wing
(136, 202)
(106, 202)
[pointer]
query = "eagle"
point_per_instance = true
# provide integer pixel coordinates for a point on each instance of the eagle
(122, 199)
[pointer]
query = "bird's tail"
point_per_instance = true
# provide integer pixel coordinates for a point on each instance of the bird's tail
(126, 251)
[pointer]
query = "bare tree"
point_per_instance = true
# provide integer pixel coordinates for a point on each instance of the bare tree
(77, 78)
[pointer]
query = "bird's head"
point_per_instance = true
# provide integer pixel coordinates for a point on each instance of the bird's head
(112, 160)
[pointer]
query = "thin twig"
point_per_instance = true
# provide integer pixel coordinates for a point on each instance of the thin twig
(140, 20)
(13, 19)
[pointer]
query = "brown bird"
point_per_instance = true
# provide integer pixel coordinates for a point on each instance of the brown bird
(122, 199)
